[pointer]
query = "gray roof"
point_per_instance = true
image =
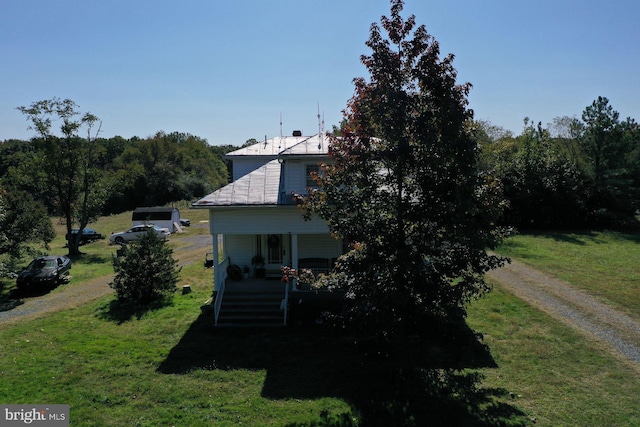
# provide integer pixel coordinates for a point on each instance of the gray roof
(155, 209)
(260, 187)
(317, 145)
(286, 145)
(268, 147)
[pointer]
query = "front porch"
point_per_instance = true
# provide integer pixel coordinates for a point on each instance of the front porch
(251, 302)
(250, 245)
(269, 303)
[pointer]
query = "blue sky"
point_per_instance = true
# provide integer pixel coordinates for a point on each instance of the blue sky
(227, 70)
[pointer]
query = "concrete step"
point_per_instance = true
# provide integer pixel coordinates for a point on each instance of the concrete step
(261, 296)
(253, 321)
(249, 307)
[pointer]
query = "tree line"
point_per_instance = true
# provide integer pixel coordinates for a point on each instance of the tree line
(152, 171)
(572, 174)
(68, 170)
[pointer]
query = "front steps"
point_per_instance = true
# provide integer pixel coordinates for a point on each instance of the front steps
(252, 304)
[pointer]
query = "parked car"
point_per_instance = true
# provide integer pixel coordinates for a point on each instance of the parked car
(185, 222)
(136, 233)
(88, 235)
(45, 271)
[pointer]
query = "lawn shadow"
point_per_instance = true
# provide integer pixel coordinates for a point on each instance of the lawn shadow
(579, 239)
(10, 301)
(413, 382)
(575, 237)
(632, 236)
(115, 311)
(90, 258)
(10, 298)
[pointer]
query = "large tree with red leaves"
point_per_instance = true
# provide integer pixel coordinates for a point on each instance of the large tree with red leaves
(404, 188)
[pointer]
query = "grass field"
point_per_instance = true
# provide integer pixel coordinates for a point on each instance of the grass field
(605, 264)
(555, 375)
(170, 367)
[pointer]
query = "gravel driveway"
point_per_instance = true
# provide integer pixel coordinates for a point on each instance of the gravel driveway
(75, 294)
(618, 332)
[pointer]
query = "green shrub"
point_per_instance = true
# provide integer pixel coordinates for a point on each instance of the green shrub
(146, 273)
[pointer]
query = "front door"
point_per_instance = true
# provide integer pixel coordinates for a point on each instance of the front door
(276, 248)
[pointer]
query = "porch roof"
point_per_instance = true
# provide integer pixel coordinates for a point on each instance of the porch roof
(260, 187)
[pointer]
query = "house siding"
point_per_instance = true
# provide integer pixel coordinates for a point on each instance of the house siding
(243, 166)
(240, 249)
(293, 178)
(263, 220)
(318, 246)
(295, 175)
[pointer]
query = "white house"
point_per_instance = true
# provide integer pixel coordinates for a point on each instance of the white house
(256, 215)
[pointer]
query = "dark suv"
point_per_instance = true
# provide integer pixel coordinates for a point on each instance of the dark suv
(88, 235)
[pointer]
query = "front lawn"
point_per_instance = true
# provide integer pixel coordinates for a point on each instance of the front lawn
(171, 367)
(556, 375)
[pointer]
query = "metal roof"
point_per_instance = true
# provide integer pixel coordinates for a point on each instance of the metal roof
(268, 147)
(314, 145)
(286, 145)
(260, 187)
(155, 209)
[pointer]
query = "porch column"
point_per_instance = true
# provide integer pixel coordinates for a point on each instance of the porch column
(216, 263)
(294, 257)
(294, 251)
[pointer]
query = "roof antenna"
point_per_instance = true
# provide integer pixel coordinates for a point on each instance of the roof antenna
(280, 143)
(320, 129)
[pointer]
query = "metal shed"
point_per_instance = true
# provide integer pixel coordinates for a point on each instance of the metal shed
(162, 217)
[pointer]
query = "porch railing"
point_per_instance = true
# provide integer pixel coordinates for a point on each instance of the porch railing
(220, 275)
(286, 301)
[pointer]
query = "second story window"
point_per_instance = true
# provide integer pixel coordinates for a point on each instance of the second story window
(311, 171)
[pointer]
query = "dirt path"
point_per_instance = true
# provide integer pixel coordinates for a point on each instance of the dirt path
(74, 294)
(617, 331)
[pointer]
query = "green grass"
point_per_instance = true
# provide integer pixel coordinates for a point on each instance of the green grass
(96, 259)
(556, 375)
(170, 367)
(111, 373)
(605, 264)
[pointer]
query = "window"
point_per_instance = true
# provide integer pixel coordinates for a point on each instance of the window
(310, 171)
(275, 249)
